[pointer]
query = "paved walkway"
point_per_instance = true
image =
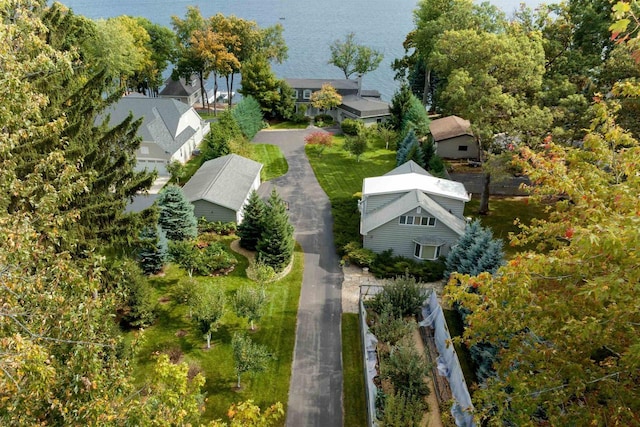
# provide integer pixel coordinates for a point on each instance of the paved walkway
(315, 391)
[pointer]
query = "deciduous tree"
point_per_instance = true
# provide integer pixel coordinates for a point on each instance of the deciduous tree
(248, 356)
(326, 98)
(249, 302)
(351, 57)
(208, 305)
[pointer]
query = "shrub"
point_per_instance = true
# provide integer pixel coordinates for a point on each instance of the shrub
(320, 140)
(406, 369)
(201, 261)
(300, 118)
(388, 266)
(351, 126)
(346, 222)
(400, 297)
(389, 328)
(358, 255)
(323, 118)
(403, 410)
(218, 227)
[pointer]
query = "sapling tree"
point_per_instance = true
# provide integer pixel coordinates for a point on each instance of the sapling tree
(320, 140)
(248, 356)
(208, 306)
(249, 302)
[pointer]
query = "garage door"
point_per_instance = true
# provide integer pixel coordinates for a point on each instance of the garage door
(159, 165)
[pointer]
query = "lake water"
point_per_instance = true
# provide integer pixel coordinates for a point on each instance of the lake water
(310, 26)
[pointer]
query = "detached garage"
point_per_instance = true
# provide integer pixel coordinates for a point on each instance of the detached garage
(221, 187)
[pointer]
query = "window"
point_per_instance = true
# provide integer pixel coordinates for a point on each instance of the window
(306, 94)
(429, 252)
(295, 94)
(463, 148)
(426, 221)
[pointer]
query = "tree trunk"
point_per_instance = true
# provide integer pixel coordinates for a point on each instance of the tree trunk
(484, 199)
(238, 385)
(427, 86)
(202, 90)
(215, 94)
(230, 91)
(209, 340)
(253, 328)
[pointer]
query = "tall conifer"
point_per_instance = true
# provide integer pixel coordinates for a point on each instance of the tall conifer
(252, 225)
(176, 214)
(275, 247)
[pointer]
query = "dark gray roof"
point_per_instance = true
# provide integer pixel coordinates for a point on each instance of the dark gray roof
(408, 167)
(161, 120)
(364, 107)
(316, 84)
(225, 181)
(180, 87)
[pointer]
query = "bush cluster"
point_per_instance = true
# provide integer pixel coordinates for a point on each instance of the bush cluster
(386, 265)
(400, 297)
(356, 254)
(351, 126)
(323, 119)
(202, 261)
(218, 227)
(300, 118)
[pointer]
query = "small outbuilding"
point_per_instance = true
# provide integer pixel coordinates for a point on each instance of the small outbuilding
(221, 187)
(453, 138)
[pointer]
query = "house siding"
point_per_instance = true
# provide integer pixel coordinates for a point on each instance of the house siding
(400, 237)
(213, 212)
(448, 149)
(456, 207)
(378, 201)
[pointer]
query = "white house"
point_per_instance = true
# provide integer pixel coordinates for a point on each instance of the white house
(170, 130)
(220, 189)
(412, 212)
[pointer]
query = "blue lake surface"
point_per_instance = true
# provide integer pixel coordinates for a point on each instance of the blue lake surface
(310, 26)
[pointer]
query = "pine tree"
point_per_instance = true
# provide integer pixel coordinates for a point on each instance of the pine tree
(176, 214)
(275, 247)
(475, 252)
(252, 225)
(154, 249)
(409, 149)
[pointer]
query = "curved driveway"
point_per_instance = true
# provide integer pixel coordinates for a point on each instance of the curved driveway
(315, 392)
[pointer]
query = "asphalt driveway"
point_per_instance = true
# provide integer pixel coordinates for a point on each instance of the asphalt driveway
(315, 392)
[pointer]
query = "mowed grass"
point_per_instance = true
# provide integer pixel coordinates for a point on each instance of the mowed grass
(271, 157)
(338, 172)
(355, 409)
(175, 334)
(287, 125)
(503, 212)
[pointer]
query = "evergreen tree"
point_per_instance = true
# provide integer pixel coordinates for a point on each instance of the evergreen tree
(252, 225)
(176, 214)
(105, 155)
(154, 249)
(248, 115)
(400, 104)
(475, 252)
(428, 151)
(409, 149)
(275, 247)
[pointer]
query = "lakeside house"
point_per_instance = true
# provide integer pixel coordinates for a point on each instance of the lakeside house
(412, 212)
(357, 103)
(170, 130)
(186, 91)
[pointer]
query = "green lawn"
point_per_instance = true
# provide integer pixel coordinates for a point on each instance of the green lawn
(338, 172)
(355, 406)
(287, 125)
(271, 157)
(174, 334)
(502, 213)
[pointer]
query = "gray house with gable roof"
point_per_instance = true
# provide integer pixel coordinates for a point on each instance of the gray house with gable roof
(357, 103)
(412, 212)
(170, 130)
(222, 186)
